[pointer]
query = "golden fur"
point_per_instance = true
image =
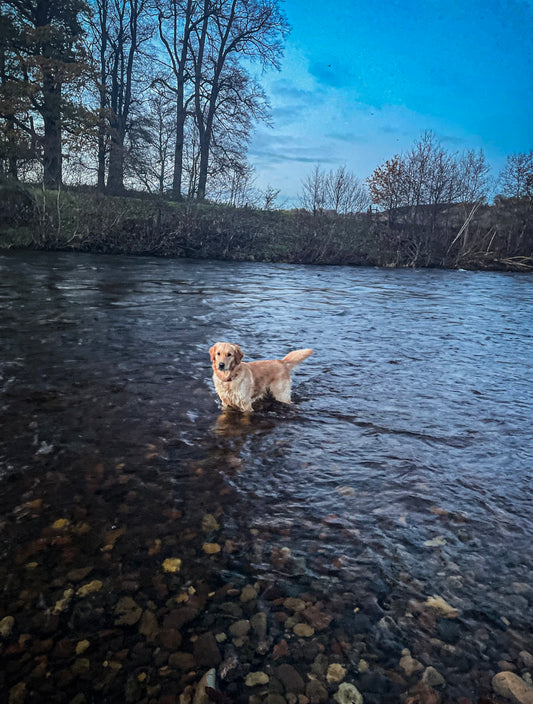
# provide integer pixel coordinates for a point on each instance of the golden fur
(239, 384)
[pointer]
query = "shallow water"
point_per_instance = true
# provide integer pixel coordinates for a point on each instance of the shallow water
(402, 470)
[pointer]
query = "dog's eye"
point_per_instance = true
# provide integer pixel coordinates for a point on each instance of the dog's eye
(229, 354)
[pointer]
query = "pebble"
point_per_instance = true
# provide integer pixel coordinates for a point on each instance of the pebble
(89, 588)
(303, 630)
(17, 693)
(526, 657)
(255, 678)
(127, 611)
(240, 628)
(432, 677)
(316, 692)
(294, 604)
(291, 678)
(512, 687)
(6, 626)
(408, 664)
(335, 673)
(348, 694)
(249, 593)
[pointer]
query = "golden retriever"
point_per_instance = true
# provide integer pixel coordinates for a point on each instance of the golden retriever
(239, 384)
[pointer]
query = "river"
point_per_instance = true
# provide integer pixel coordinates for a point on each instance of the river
(377, 530)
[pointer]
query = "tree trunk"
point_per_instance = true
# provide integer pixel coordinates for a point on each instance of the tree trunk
(52, 133)
(115, 174)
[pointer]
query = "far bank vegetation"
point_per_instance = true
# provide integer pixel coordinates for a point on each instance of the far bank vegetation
(124, 127)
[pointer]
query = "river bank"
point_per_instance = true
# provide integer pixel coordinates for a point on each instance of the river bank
(499, 237)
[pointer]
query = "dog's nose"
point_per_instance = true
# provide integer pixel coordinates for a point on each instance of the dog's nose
(221, 365)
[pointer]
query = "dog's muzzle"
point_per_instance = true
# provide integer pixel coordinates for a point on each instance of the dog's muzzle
(221, 366)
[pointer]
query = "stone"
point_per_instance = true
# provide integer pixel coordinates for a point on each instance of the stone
(513, 687)
(127, 611)
(408, 664)
(239, 629)
(422, 694)
(181, 661)
(89, 588)
(206, 652)
(291, 678)
(526, 657)
(258, 622)
(200, 694)
(316, 618)
(81, 646)
(80, 666)
(249, 593)
(6, 626)
(432, 677)
(256, 678)
(335, 673)
(316, 692)
(448, 631)
(294, 604)
(172, 564)
(148, 627)
(17, 693)
(303, 630)
(348, 694)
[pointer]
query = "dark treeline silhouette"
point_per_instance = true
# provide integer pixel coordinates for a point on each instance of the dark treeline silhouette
(150, 94)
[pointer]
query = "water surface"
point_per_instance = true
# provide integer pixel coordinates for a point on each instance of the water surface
(402, 471)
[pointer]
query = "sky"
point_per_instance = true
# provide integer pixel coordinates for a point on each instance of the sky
(361, 81)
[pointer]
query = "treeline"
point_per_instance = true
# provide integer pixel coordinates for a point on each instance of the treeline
(83, 220)
(156, 95)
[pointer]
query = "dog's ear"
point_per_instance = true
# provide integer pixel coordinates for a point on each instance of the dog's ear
(239, 354)
(213, 351)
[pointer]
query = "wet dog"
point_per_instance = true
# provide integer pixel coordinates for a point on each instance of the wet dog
(239, 384)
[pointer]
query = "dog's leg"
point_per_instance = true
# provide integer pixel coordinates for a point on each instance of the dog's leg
(281, 390)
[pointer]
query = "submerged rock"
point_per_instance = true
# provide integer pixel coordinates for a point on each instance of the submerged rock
(348, 694)
(512, 687)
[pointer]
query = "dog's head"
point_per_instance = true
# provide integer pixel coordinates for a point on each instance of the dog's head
(225, 357)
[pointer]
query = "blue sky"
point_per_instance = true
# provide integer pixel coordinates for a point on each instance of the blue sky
(361, 81)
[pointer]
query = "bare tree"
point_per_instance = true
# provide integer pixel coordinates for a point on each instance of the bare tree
(251, 29)
(344, 192)
(516, 178)
(313, 196)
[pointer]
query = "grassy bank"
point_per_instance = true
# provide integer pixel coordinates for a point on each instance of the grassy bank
(83, 220)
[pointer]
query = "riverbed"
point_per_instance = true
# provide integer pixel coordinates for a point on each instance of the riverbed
(375, 533)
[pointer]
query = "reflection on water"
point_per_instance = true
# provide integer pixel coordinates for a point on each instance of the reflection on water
(147, 537)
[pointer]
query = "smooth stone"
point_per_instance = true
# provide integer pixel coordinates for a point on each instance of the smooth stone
(6, 626)
(335, 673)
(409, 665)
(206, 652)
(291, 678)
(128, 612)
(316, 692)
(148, 627)
(239, 629)
(208, 680)
(255, 678)
(432, 677)
(249, 593)
(348, 694)
(526, 657)
(512, 687)
(303, 630)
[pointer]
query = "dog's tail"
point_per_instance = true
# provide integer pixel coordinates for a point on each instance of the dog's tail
(293, 358)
